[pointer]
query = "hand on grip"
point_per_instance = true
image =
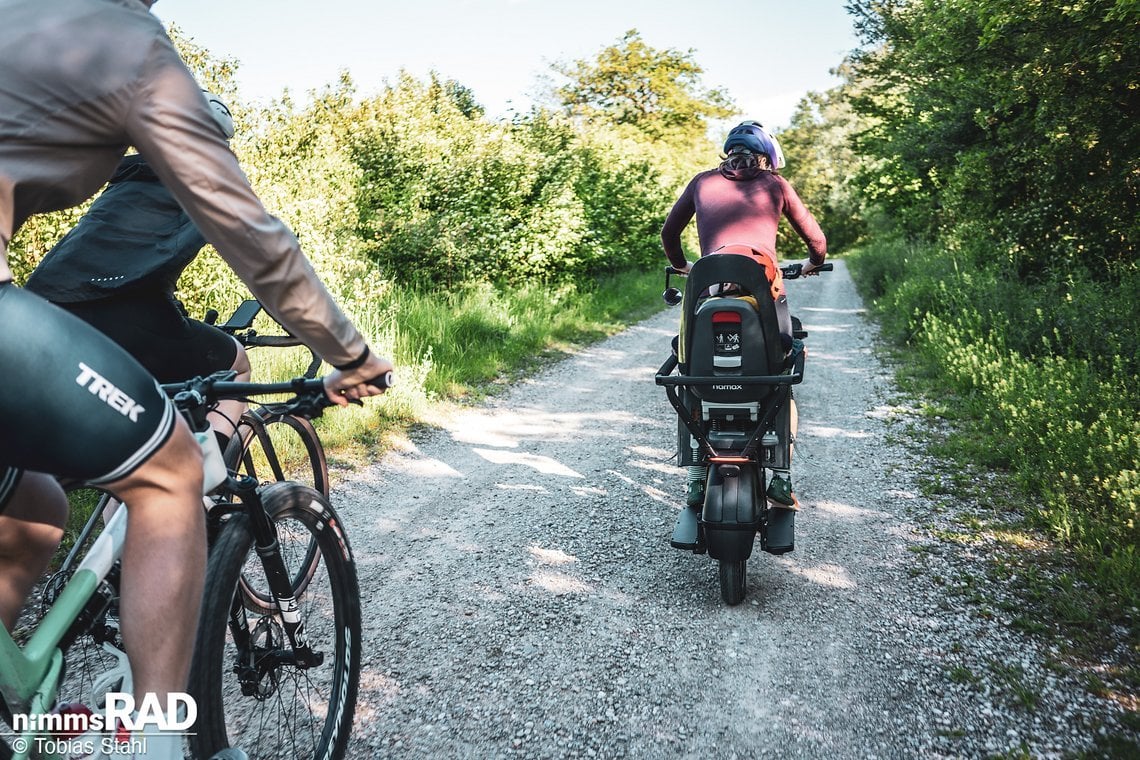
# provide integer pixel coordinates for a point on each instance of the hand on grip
(370, 379)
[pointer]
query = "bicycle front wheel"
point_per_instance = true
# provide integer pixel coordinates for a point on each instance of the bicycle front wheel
(274, 447)
(279, 447)
(250, 691)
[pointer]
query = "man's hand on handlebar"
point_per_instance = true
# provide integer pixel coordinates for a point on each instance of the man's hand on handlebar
(809, 269)
(369, 379)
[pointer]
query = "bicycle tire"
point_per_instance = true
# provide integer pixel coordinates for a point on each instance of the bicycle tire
(279, 447)
(291, 712)
(265, 437)
(733, 581)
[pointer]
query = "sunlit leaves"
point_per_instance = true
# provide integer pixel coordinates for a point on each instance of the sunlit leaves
(657, 92)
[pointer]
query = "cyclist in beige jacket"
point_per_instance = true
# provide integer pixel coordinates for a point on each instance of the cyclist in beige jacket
(80, 81)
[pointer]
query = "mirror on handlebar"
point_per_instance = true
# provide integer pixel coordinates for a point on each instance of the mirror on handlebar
(671, 296)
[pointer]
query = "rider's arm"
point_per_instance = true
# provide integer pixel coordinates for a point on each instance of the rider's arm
(679, 216)
(172, 128)
(804, 224)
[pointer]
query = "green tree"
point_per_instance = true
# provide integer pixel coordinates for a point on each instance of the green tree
(823, 167)
(1007, 122)
(447, 198)
(659, 93)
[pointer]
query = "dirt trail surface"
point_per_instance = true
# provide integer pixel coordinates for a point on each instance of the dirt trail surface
(521, 598)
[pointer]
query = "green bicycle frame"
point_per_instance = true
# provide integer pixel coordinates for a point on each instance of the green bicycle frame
(30, 676)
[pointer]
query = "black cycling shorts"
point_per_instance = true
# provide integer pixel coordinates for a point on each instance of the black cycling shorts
(153, 327)
(74, 404)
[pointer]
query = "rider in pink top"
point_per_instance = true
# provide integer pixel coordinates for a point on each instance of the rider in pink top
(739, 211)
(739, 205)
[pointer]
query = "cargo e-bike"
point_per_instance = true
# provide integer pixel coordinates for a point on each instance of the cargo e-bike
(732, 393)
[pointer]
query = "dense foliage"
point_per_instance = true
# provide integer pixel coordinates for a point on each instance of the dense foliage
(1009, 127)
(823, 167)
(447, 197)
(998, 171)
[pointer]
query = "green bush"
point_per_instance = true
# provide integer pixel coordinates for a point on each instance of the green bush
(1047, 375)
(448, 198)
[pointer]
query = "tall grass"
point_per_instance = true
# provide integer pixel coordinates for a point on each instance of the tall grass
(1042, 378)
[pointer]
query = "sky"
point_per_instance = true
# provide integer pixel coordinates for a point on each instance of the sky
(766, 54)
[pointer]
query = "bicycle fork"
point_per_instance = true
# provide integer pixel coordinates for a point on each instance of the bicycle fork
(295, 650)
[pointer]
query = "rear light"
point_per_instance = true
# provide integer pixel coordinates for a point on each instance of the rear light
(726, 339)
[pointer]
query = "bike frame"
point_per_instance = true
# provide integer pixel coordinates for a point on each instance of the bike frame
(30, 675)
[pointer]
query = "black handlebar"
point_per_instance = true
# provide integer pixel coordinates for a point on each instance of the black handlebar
(672, 296)
(308, 393)
(792, 271)
(278, 341)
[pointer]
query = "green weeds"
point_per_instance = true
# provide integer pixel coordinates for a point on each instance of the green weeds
(1040, 382)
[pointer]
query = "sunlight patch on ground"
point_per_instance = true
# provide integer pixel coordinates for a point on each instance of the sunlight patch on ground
(376, 685)
(520, 487)
(386, 525)
(534, 461)
(831, 576)
(425, 468)
(840, 509)
(658, 495)
(665, 469)
(559, 584)
(825, 310)
(825, 329)
(888, 412)
(825, 431)
(633, 373)
(475, 429)
(551, 556)
(490, 593)
(652, 492)
(505, 429)
(652, 452)
(586, 491)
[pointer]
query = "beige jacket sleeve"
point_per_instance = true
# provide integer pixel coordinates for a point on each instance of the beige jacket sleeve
(171, 126)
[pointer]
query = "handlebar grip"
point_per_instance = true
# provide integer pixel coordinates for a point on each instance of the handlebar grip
(792, 271)
(385, 380)
(277, 341)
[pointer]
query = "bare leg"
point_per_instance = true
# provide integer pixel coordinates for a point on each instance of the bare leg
(228, 411)
(163, 564)
(222, 418)
(30, 529)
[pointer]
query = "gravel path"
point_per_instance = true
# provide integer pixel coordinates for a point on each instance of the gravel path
(521, 598)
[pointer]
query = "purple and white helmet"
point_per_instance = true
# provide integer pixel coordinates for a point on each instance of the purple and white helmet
(753, 137)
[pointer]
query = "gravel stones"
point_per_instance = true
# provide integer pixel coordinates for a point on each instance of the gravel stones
(521, 599)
